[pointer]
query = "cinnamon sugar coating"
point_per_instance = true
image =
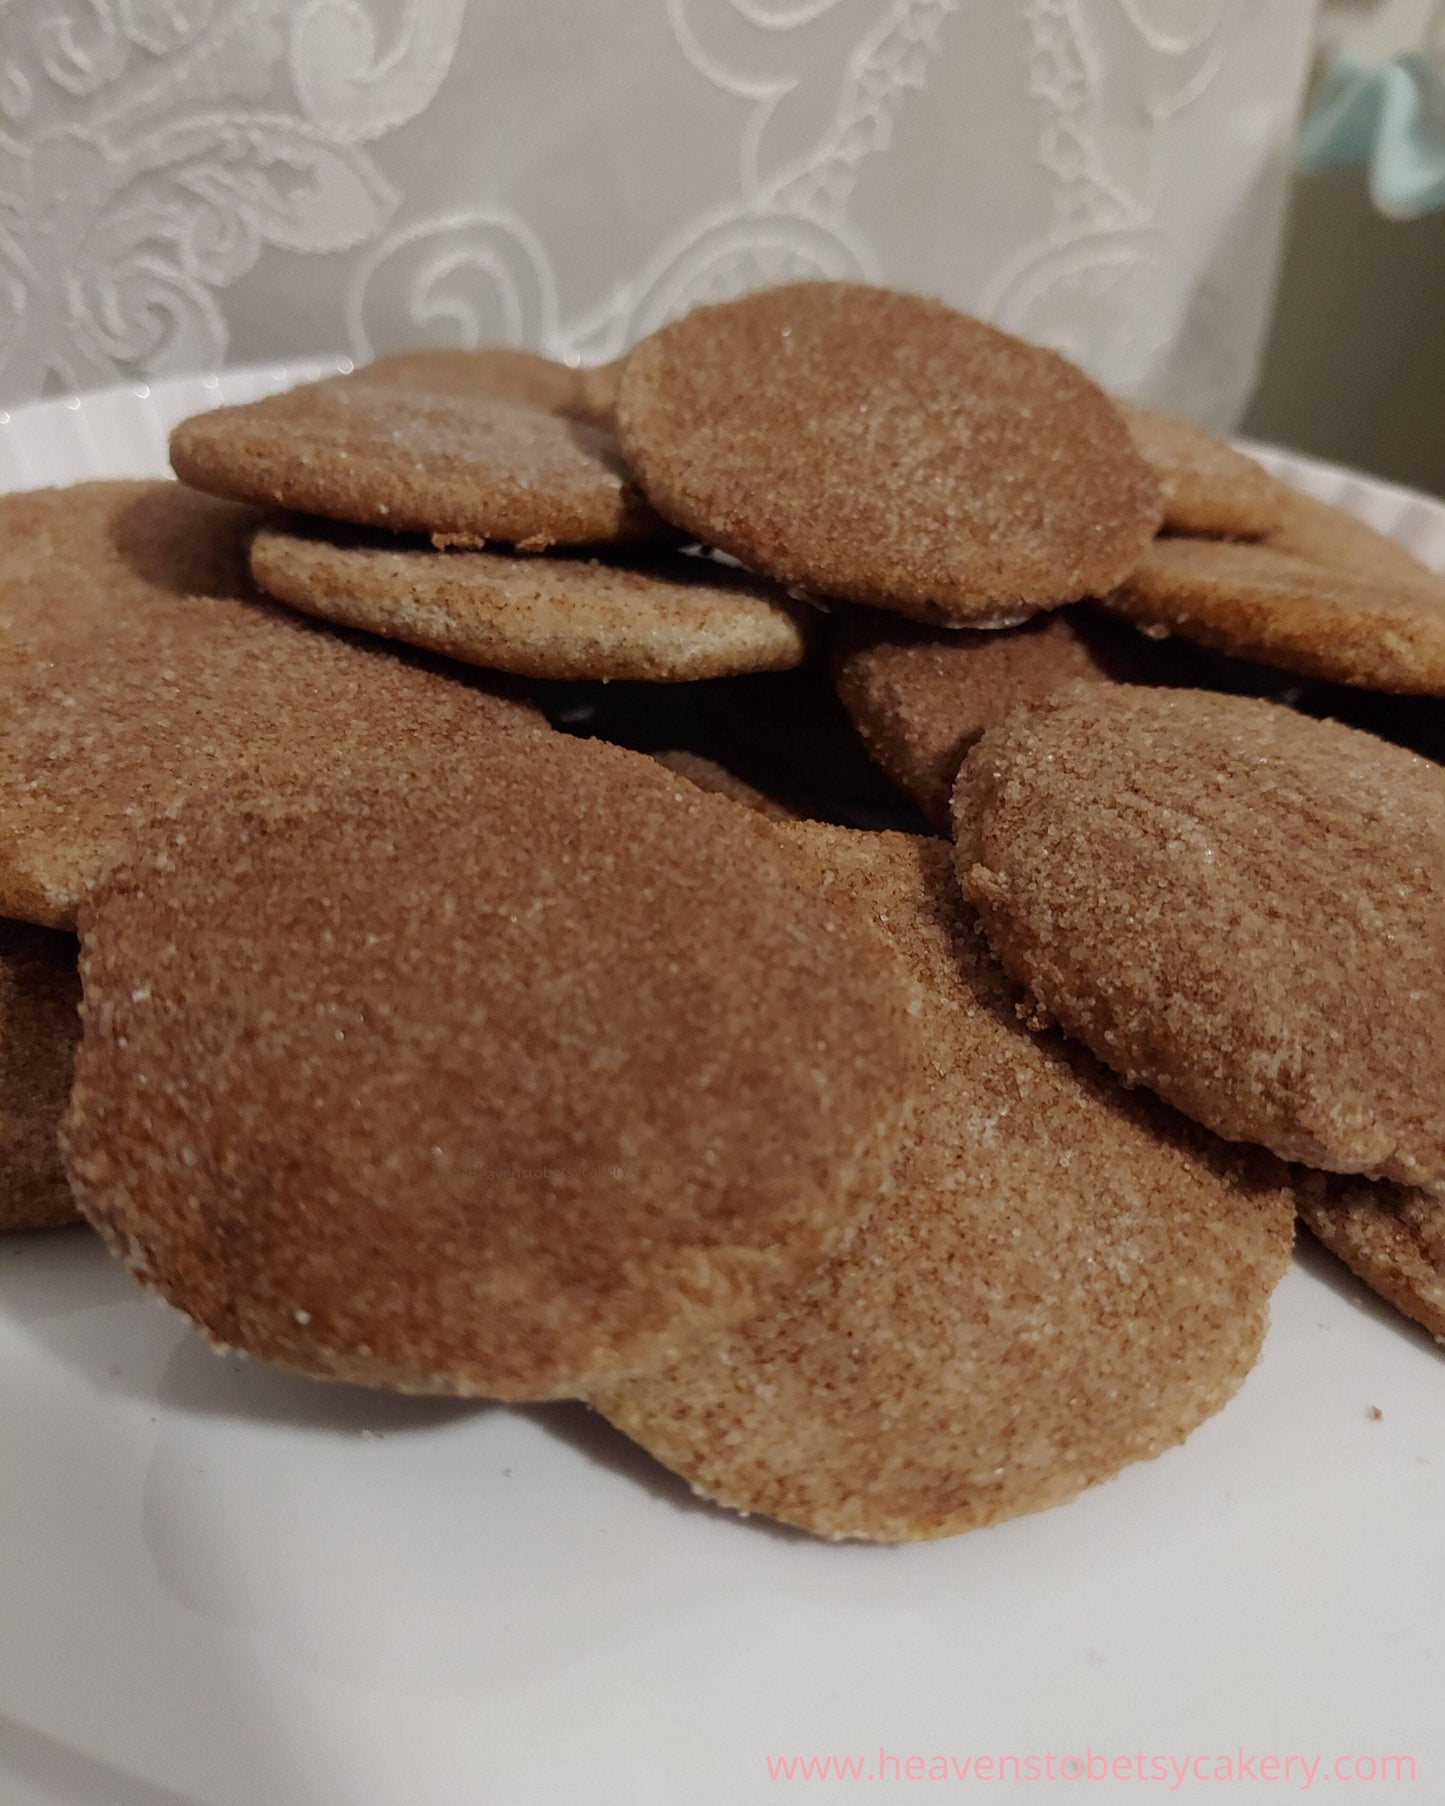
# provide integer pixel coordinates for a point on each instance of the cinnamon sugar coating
(671, 620)
(1391, 1236)
(707, 774)
(919, 697)
(1209, 487)
(466, 446)
(1065, 1278)
(505, 1079)
(858, 443)
(1258, 602)
(142, 669)
(1228, 902)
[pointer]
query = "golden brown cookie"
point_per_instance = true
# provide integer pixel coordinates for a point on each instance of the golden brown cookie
(1258, 602)
(1209, 487)
(919, 697)
(419, 449)
(39, 1029)
(1064, 1278)
(500, 372)
(1237, 906)
(671, 620)
(708, 775)
(588, 394)
(501, 1079)
(853, 442)
(1333, 536)
(140, 672)
(1392, 1236)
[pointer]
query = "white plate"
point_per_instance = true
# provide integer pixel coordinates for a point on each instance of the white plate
(222, 1585)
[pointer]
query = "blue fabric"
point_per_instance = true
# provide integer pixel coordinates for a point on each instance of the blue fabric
(1390, 117)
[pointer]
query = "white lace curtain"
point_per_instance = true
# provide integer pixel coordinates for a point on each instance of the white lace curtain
(187, 183)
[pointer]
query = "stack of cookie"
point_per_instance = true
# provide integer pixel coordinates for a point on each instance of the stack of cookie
(496, 449)
(140, 669)
(508, 969)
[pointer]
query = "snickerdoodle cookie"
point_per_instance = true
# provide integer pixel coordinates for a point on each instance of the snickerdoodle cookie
(1392, 1236)
(458, 445)
(1258, 602)
(506, 1077)
(671, 620)
(854, 442)
(1332, 536)
(1065, 1277)
(1209, 487)
(1233, 904)
(919, 696)
(141, 668)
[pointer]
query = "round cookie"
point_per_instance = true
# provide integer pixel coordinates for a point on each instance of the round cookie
(920, 697)
(670, 621)
(500, 372)
(499, 1079)
(416, 450)
(1064, 1278)
(708, 775)
(853, 442)
(1237, 906)
(586, 394)
(141, 670)
(39, 1029)
(1209, 487)
(1260, 603)
(1333, 536)
(1392, 1236)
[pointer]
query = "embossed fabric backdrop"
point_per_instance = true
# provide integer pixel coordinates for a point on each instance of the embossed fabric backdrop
(186, 183)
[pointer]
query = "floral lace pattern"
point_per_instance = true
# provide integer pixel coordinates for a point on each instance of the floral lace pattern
(189, 182)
